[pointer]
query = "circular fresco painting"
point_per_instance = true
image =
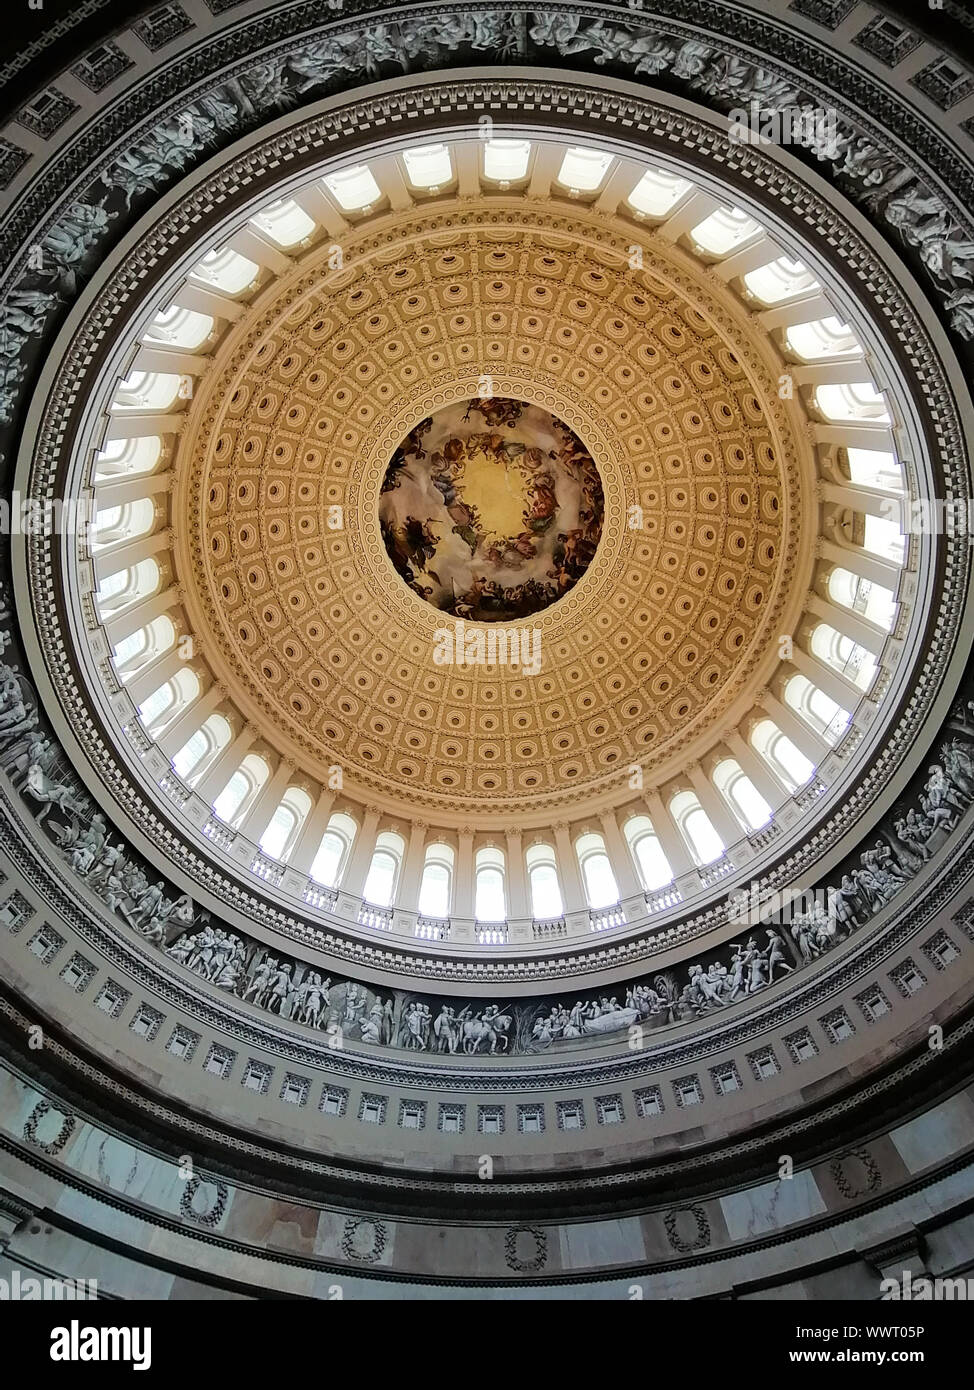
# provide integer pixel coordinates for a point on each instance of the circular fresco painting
(491, 509)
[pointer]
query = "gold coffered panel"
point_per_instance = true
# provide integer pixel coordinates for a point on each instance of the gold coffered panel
(678, 616)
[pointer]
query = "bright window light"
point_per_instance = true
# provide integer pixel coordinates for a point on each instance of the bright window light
(285, 222)
(228, 803)
(506, 160)
(862, 596)
(658, 192)
(601, 888)
(328, 860)
(885, 539)
(828, 337)
(545, 893)
(179, 327)
(428, 166)
(227, 270)
(191, 752)
(490, 896)
(724, 230)
(583, 170)
(853, 401)
(353, 189)
(875, 468)
(780, 280)
(159, 701)
(653, 865)
(277, 834)
(434, 892)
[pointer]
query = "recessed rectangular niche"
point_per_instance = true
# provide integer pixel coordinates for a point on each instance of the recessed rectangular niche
(451, 1118)
(412, 1114)
(334, 1099)
(649, 1101)
(182, 1042)
(146, 1021)
(530, 1119)
(257, 1076)
(608, 1110)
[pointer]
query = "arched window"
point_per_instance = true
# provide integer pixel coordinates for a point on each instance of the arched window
(155, 391)
(332, 855)
(724, 230)
(823, 338)
(436, 888)
(279, 831)
(125, 523)
(844, 655)
(651, 862)
(428, 166)
(817, 709)
(128, 457)
(506, 161)
(380, 883)
(166, 702)
(863, 596)
(126, 586)
(285, 222)
(885, 539)
(601, 888)
(219, 734)
(193, 751)
(583, 169)
(490, 901)
(857, 400)
(208, 740)
(657, 192)
(143, 646)
(180, 327)
(241, 789)
(546, 899)
(875, 468)
(231, 798)
(780, 280)
(278, 838)
(743, 797)
(354, 189)
(226, 269)
(695, 826)
(787, 762)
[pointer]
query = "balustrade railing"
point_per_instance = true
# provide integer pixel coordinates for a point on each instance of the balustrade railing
(607, 917)
(318, 897)
(432, 928)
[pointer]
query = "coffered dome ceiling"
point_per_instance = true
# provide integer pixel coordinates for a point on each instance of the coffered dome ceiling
(281, 463)
(503, 682)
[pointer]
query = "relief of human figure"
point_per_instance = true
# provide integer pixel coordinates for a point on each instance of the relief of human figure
(776, 956)
(31, 749)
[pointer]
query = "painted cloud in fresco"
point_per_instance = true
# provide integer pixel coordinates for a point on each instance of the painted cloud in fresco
(491, 509)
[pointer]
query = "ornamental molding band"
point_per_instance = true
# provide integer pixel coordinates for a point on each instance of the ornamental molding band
(487, 651)
(60, 663)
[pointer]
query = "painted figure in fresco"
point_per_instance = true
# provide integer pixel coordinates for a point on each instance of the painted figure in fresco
(465, 510)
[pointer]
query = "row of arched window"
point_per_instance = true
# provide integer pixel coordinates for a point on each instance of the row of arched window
(383, 879)
(165, 689)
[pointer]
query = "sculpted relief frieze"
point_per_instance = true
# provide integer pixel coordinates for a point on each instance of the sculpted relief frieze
(777, 939)
(869, 165)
